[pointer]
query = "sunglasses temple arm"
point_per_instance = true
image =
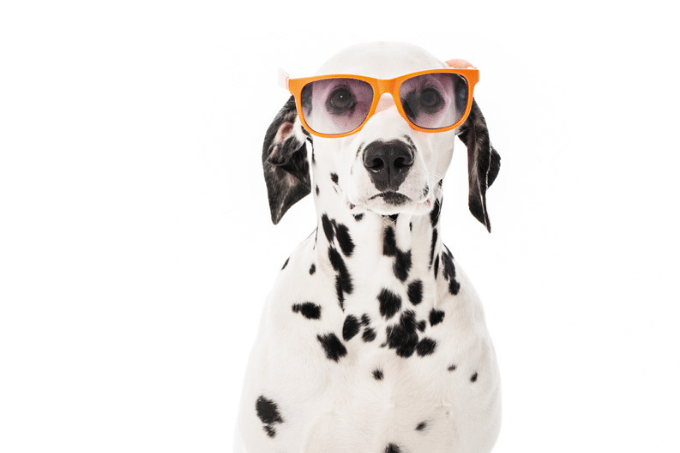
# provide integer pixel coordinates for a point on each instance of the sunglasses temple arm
(283, 79)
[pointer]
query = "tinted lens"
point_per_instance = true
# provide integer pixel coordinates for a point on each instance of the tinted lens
(336, 106)
(434, 101)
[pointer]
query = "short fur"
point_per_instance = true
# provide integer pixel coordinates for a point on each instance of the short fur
(373, 339)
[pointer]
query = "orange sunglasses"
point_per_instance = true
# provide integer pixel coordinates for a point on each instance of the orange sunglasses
(339, 105)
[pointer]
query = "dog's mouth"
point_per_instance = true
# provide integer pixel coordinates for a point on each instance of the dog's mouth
(393, 198)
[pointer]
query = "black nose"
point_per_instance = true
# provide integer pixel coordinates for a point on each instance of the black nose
(388, 163)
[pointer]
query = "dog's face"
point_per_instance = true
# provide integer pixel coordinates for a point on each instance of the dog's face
(386, 167)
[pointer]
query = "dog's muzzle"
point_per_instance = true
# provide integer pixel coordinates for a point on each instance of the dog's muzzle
(388, 163)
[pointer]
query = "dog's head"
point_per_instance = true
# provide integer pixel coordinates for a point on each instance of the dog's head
(387, 166)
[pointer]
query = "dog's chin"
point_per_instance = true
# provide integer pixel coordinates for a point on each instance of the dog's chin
(390, 203)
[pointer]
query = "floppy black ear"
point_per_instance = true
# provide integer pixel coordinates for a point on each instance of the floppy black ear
(284, 161)
(483, 162)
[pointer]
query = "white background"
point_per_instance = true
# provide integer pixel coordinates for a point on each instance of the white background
(136, 248)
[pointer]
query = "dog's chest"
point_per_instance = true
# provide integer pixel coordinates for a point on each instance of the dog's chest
(389, 359)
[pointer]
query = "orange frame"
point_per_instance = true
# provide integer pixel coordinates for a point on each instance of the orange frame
(380, 87)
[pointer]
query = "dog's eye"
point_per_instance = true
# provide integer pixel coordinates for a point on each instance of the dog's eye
(340, 100)
(430, 99)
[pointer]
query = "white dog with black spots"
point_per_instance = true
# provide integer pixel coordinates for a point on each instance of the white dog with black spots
(373, 340)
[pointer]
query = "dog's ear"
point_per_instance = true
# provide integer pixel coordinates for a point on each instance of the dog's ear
(483, 162)
(284, 161)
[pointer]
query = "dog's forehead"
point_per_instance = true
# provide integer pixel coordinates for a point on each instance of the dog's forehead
(380, 60)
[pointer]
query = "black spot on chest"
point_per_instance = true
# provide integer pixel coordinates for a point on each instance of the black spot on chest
(436, 316)
(332, 346)
(335, 178)
(402, 263)
(350, 328)
(421, 426)
(390, 303)
(368, 335)
(415, 292)
(377, 374)
(426, 346)
(449, 272)
(312, 269)
(268, 413)
(308, 309)
(389, 242)
(327, 227)
(433, 245)
(344, 239)
(436, 211)
(343, 281)
(403, 336)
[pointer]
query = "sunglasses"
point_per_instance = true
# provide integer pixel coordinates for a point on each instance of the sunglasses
(332, 106)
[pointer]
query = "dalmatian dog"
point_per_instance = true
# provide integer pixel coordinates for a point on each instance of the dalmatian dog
(373, 340)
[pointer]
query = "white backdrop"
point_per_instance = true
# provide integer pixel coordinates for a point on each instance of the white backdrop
(136, 248)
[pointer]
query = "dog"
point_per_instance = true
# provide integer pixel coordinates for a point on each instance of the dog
(373, 340)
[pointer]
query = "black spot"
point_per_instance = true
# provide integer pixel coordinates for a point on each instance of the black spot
(436, 266)
(312, 269)
(415, 292)
(421, 325)
(473, 378)
(365, 320)
(452, 368)
(389, 242)
(309, 310)
(378, 374)
(421, 426)
(332, 346)
(403, 336)
(449, 272)
(390, 303)
(358, 217)
(402, 265)
(317, 190)
(426, 190)
(436, 316)
(350, 328)
(394, 217)
(426, 346)
(344, 239)
(433, 245)
(410, 226)
(391, 448)
(334, 177)
(343, 281)
(268, 413)
(368, 335)
(327, 227)
(286, 263)
(436, 210)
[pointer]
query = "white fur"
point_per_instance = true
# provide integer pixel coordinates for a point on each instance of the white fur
(338, 407)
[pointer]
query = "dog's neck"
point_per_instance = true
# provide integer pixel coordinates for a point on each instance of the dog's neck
(367, 244)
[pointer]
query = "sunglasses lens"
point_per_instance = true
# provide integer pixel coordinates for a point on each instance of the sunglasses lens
(336, 106)
(434, 101)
